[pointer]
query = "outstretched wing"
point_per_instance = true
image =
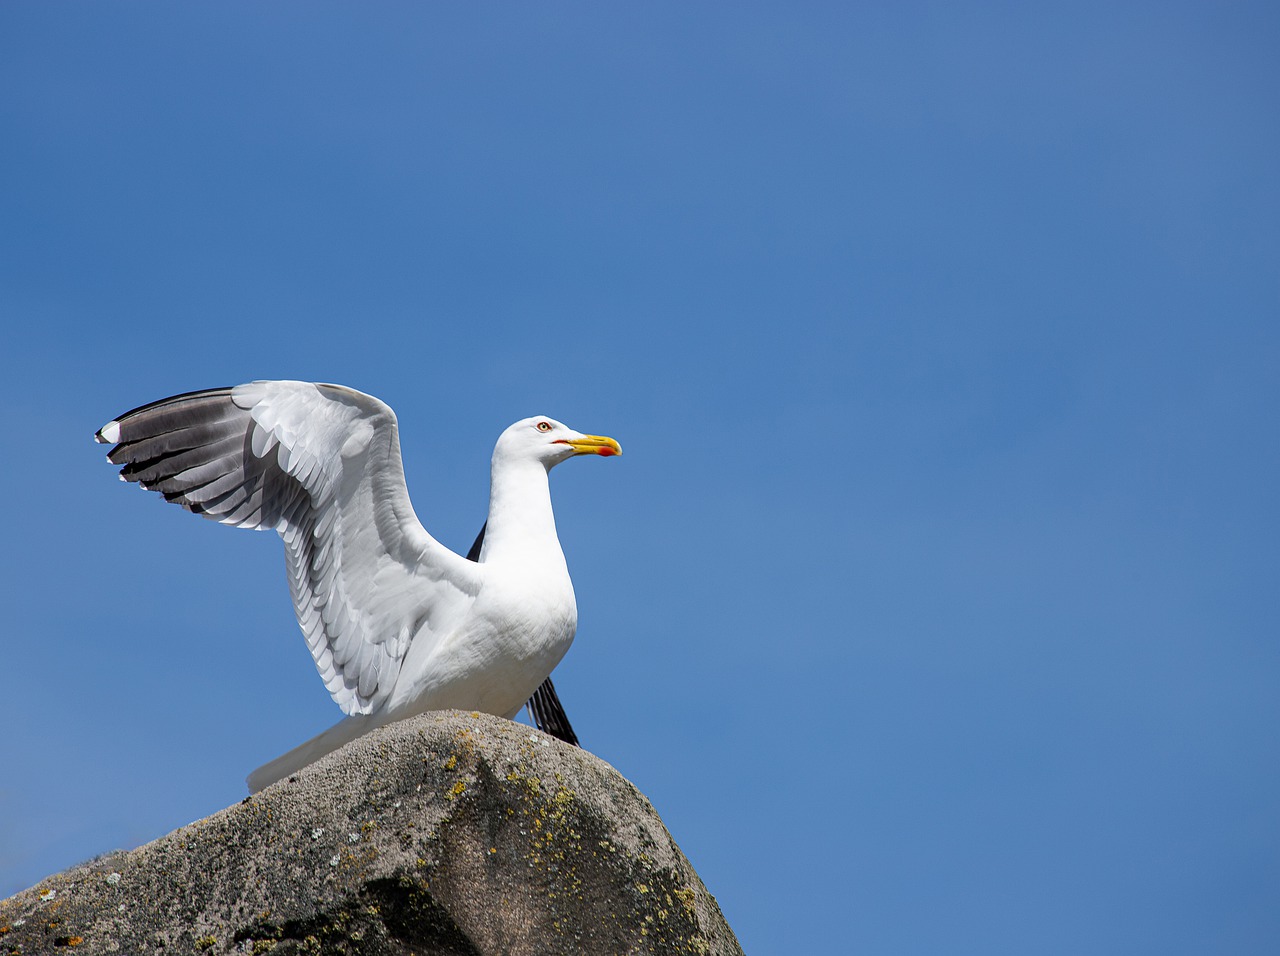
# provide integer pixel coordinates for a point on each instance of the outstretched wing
(320, 464)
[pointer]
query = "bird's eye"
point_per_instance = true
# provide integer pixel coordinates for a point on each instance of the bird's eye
(544, 426)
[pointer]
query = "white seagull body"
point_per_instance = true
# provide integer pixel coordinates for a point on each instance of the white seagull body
(397, 623)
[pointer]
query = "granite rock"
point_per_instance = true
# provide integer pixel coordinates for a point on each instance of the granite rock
(451, 833)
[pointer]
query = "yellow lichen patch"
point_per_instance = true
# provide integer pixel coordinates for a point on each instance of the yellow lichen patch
(642, 888)
(206, 942)
(686, 897)
(464, 749)
(563, 796)
(532, 785)
(457, 790)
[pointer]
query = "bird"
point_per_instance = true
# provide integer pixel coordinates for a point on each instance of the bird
(397, 623)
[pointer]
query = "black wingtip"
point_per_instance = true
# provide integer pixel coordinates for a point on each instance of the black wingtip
(474, 553)
(172, 399)
(109, 434)
(548, 714)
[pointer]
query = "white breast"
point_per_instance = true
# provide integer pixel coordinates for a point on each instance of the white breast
(519, 628)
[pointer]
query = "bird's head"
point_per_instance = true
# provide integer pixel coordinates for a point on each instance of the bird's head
(548, 441)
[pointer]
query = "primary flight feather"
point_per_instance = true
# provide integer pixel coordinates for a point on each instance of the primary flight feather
(397, 623)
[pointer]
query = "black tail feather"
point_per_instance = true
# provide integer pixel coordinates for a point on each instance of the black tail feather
(548, 714)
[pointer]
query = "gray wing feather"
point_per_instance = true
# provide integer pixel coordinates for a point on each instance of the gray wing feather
(320, 464)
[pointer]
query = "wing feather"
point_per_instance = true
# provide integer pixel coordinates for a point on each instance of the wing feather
(319, 464)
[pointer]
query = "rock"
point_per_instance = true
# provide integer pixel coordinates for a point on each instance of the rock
(450, 833)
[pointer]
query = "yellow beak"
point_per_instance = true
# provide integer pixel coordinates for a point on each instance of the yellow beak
(593, 445)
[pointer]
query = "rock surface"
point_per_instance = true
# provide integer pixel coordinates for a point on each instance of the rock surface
(451, 833)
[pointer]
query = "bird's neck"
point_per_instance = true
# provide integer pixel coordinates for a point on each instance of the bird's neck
(521, 522)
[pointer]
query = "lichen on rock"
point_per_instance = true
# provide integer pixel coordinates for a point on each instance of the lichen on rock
(451, 833)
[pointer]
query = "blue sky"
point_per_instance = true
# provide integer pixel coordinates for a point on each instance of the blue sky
(934, 602)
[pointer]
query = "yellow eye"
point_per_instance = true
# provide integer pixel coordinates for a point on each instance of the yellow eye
(544, 426)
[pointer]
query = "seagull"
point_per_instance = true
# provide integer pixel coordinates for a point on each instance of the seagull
(397, 623)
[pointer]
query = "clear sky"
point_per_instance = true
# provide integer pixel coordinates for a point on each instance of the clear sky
(934, 603)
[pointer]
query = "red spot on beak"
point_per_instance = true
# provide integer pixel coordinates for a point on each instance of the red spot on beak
(606, 451)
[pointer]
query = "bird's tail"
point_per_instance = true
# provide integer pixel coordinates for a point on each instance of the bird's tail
(338, 735)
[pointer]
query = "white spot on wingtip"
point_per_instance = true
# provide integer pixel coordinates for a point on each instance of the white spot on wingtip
(109, 434)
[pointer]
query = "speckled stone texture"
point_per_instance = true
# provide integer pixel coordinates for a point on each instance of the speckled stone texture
(450, 833)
